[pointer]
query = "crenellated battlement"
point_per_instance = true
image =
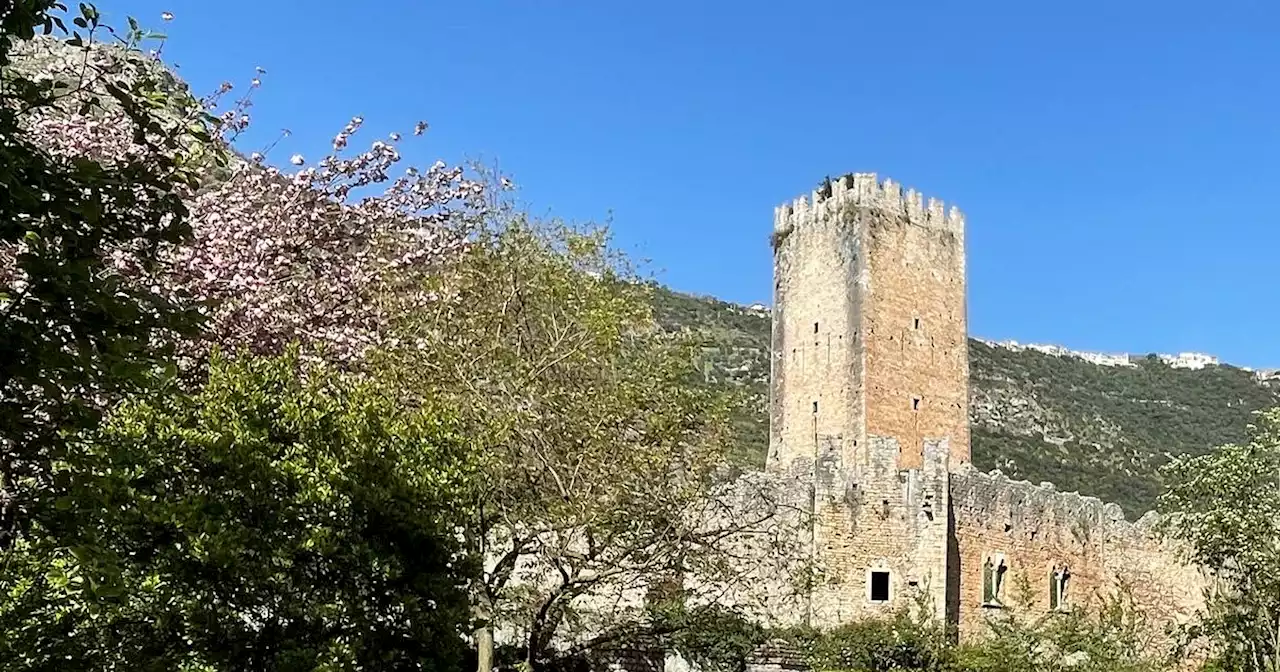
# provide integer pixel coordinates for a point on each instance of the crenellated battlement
(864, 190)
(1024, 504)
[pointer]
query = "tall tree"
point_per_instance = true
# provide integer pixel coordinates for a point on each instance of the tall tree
(599, 451)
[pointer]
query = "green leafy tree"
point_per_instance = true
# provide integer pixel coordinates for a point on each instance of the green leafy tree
(599, 450)
(268, 521)
(1226, 506)
(74, 334)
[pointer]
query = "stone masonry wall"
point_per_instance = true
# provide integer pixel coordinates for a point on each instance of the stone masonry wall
(768, 553)
(816, 569)
(882, 519)
(917, 362)
(777, 656)
(816, 364)
(1037, 529)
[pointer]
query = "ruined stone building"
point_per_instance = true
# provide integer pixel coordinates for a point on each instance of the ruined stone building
(869, 422)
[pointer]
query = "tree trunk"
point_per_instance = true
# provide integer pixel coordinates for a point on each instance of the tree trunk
(541, 631)
(484, 648)
(483, 612)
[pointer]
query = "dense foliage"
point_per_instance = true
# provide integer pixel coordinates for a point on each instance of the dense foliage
(1226, 506)
(73, 331)
(267, 521)
(1110, 639)
(239, 515)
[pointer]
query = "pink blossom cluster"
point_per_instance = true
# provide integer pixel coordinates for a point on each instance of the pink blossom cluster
(326, 255)
(106, 137)
(295, 257)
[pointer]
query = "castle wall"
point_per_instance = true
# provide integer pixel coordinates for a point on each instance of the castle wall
(881, 519)
(1037, 529)
(766, 557)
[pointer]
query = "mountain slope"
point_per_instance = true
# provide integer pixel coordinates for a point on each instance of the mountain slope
(1099, 430)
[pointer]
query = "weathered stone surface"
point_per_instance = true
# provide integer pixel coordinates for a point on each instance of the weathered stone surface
(869, 381)
(1037, 530)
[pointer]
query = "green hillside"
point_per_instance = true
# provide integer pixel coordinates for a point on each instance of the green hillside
(1099, 430)
(735, 349)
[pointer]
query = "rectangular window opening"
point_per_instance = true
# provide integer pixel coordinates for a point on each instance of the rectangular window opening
(1058, 578)
(993, 571)
(815, 407)
(917, 323)
(879, 586)
(815, 327)
(915, 403)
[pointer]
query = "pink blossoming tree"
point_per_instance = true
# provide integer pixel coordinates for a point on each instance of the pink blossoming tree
(324, 255)
(279, 258)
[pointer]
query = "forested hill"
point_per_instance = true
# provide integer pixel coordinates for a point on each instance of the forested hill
(1099, 430)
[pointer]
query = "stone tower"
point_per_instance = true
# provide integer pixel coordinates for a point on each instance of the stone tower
(869, 388)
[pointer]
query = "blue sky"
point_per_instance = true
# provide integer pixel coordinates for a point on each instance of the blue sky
(1115, 160)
